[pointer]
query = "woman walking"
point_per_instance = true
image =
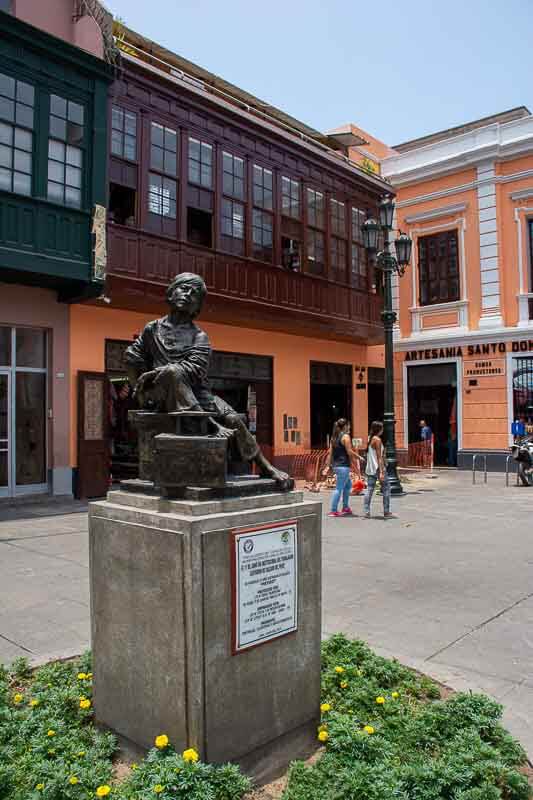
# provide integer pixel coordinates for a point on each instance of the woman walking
(375, 470)
(341, 456)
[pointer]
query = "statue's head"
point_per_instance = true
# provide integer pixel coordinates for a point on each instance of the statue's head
(186, 294)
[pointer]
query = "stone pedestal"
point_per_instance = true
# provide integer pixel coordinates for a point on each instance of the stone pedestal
(162, 611)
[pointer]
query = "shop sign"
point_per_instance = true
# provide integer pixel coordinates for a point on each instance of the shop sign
(484, 369)
(264, 583)
(486, 349)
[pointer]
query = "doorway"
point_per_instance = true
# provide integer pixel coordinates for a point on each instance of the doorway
(23, 417)
(331, 398)
(376, 394)
(432, 396)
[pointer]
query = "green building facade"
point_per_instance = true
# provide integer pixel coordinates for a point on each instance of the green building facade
(53, 155)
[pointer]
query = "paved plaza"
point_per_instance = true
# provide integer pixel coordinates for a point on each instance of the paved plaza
(447, 587)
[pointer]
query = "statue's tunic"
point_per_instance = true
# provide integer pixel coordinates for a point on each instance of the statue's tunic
(186, 347)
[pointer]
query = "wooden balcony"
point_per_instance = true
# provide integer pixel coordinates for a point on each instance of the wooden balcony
(241, 291)
(44, 244)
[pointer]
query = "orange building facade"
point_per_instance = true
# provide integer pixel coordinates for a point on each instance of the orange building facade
(464, 337)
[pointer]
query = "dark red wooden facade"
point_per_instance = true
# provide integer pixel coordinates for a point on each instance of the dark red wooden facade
(145, 252)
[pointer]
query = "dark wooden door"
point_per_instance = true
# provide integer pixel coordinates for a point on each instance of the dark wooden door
(93, 440)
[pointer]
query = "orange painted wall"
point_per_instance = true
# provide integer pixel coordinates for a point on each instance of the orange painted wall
(431, 185)
(508, 235)
(91, 325)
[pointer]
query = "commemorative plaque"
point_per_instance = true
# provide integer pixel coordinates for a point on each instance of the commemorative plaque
(265, 583)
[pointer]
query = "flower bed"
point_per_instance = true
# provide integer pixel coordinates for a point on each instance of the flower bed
(387, 735)
(50, 750)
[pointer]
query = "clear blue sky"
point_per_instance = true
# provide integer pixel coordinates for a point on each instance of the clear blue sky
(397, 69)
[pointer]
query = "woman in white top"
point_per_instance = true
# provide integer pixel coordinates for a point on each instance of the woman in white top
(375, 470)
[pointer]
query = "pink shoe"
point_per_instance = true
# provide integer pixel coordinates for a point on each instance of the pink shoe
(335, 514)
(347, 512)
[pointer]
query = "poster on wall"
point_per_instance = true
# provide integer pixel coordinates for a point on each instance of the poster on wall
(264, 583)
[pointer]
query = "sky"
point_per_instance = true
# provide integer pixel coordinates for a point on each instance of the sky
(399, 70)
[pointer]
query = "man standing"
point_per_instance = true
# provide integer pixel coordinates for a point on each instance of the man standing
(425, 431)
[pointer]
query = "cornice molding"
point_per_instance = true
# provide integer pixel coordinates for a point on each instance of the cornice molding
(435, 213)
(492, 142)
(523, 194)
(464, 187)
(457, 338)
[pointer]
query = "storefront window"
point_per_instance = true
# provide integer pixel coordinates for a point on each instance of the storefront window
(30, 415)
(5, 346)
(523, 390)
(31, 348)
(23, 415)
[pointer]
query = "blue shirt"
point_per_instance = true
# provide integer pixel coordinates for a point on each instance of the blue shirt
(426, 433)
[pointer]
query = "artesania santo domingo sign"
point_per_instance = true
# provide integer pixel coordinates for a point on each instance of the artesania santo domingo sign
(524, 346)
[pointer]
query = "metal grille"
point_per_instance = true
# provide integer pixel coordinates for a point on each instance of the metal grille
(523, 389)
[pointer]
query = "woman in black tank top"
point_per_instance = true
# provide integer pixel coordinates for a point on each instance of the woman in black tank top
(341, 457)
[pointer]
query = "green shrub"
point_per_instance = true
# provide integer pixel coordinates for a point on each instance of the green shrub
(50, 749)
(390, 737)
(167, 775)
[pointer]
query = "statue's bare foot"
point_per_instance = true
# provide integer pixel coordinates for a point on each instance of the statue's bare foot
(284, 481)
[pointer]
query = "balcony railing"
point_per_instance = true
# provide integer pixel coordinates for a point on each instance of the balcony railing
(143, 257)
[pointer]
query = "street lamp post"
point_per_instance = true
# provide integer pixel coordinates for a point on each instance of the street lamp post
(388, 264)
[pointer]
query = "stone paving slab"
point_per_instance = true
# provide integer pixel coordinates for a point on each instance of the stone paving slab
(445, 588)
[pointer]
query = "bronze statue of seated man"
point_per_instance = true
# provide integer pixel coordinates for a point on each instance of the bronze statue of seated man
(168, 365)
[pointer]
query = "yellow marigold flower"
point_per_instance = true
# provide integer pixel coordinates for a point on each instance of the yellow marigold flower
(18, 698)
(73, 780)
(40, 787)
(324, 707)
(369, 729)
(158, 788)
(395, 695)
(190, 754)
(34, 703)
(380, 700)
(84, 703)
(344, 684)
(103, 791)
(50, 732)
(339, 670)
(89, 676)
(161, 741)
(323, 736)
(134, 766)
(81, 676)
(81, 754)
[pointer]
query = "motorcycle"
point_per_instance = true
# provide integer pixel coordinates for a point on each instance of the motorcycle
(522, 452)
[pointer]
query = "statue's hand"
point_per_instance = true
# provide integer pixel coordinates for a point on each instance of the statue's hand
(144, 379)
